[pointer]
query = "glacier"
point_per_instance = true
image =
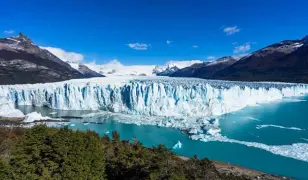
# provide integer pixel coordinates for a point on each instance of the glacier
(151, 96)
(7, 109)
(189, 104)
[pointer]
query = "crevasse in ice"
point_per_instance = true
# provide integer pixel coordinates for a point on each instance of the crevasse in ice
(158, 96)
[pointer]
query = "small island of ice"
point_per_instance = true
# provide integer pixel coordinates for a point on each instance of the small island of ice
(178, 145)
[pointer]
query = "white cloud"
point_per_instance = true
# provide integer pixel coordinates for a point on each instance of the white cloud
(234, 43)
(138, 46)
(168, 42)
(9, 31)
(64, 55)
(231, 30)
(210, 57)
(239, 56)
(242, 49)
(195, 46)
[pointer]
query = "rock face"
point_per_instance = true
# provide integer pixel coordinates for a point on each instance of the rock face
(83, 69)
(286, 61)
(21, 61)
(168, 71)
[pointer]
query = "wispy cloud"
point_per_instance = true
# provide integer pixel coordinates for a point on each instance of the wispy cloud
(168, 42)
(242, 49)
(9, 31)
(195, 46)
(64, 55)
(210, 58)
(231, 30)
(234, 43)
(239, 56)
(138, 46)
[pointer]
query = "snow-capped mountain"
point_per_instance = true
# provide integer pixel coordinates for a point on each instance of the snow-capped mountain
(206, 69)
(21, 43)
(21, 61)
(173, 66)
(115, 68)
(168, 71)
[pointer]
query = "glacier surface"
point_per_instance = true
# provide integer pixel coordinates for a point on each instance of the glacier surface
(188, 104)
(154, 96)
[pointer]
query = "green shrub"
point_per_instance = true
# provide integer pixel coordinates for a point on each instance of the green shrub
(49, 153)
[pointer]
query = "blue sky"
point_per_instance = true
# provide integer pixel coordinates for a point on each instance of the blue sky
(137, 31)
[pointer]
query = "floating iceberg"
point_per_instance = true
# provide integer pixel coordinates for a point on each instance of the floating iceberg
(213, 131)
(278, 126)
(178, 145)
(34, 116)
(251, 118)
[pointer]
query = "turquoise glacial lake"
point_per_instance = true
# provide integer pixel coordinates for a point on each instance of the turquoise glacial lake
(278, 123)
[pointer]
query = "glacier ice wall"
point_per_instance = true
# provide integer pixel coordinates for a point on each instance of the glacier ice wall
(159, 96)
(7, 109)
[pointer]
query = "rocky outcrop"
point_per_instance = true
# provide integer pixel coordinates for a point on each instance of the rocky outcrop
(21, 61)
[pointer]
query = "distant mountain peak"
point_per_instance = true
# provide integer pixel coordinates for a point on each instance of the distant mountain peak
(22, 38)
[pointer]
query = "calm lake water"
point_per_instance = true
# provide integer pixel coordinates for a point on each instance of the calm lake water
(278, 123)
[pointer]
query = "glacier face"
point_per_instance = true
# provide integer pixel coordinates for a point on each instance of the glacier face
(155, 96)
(188, 104)
(7, 109)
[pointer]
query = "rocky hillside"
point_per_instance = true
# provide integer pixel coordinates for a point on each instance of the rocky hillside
(87, 72)
(21, 61)
(286, 61)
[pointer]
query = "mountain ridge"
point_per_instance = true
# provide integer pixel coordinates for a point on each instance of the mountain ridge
(284, 61)
(21, 61)
(267, 64)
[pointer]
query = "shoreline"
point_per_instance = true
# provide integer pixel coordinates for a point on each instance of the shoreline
(228, 168)
(222, 167)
